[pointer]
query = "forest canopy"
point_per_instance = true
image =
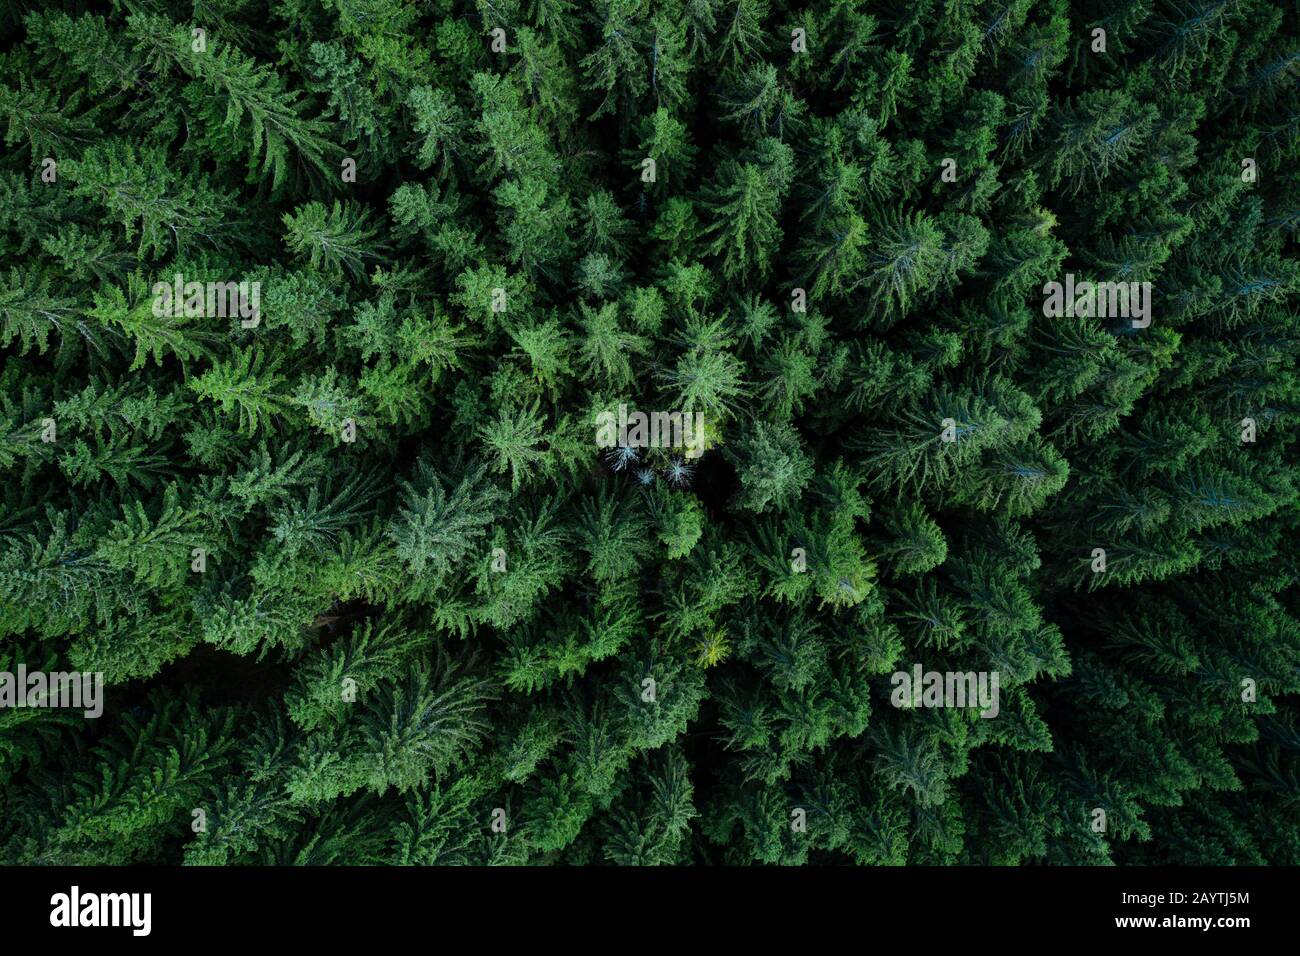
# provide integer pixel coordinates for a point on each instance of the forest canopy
(650, 432)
